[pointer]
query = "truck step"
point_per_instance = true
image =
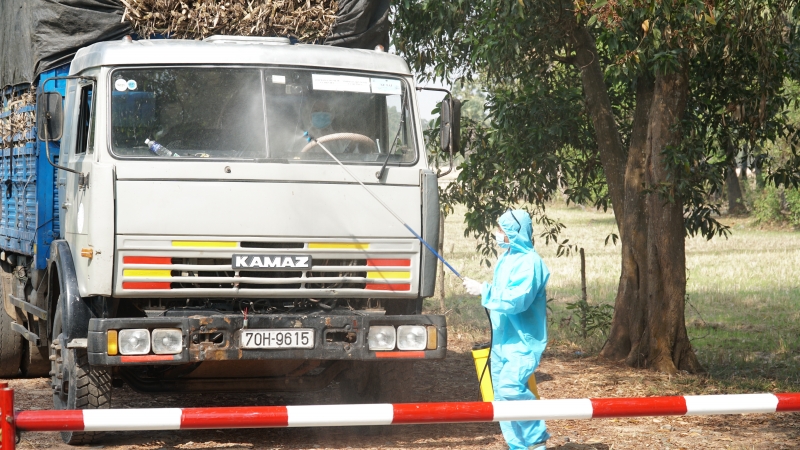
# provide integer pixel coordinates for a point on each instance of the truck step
(33, 337)
(28, 308)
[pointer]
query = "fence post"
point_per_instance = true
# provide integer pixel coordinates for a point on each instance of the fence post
(584, 298)
(8, 428)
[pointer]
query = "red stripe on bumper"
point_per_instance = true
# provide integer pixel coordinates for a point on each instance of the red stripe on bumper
(388, 287)
(788, 402)
(148, 358)
(388, 262)
(50, 420)
(235, 417)
(408, 354)
(147, 259)
(443, 412)
(636, 407)
(145, 285)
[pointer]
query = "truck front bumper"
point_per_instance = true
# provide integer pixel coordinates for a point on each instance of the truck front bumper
(217, 338)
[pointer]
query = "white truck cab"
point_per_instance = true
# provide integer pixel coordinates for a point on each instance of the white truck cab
(206, 244)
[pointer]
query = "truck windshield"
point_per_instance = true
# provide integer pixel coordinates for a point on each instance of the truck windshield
(241, 113)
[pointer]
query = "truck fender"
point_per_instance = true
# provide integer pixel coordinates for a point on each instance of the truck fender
(430, 232)
(75, 311)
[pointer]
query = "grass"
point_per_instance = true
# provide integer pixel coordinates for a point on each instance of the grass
(743, 309)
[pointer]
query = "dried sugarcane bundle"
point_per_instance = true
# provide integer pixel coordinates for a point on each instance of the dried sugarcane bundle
(306, 20)
(16, 120)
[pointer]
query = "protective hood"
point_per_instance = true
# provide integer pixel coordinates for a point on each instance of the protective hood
(517, 225)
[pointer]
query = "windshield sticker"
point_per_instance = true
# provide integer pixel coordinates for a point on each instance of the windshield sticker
(132, 85)
(344, 83)
(386, 86)
(121, 85)
(279, 79)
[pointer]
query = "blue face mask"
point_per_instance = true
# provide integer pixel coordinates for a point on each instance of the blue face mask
(321, 119)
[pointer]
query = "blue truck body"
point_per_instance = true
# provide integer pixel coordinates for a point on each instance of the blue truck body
(29, 207)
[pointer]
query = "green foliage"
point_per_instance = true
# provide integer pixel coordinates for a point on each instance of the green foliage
(586, 319)
(775, 205)
(473, 99)
(539, 140)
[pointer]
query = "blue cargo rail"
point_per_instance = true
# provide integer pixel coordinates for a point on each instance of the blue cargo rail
(29, 206)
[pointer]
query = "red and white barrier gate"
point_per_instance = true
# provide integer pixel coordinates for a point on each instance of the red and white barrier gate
(377, 414)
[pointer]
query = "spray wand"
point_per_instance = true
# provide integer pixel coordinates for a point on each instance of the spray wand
(310, 138)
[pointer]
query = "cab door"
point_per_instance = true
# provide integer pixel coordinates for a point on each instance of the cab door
(78, 153)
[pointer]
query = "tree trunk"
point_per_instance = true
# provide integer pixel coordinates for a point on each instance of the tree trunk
(759, 178)
(648, 328)
(744, 164)
(609, 143)
(628, 323)
(735, 197)
(665, 339)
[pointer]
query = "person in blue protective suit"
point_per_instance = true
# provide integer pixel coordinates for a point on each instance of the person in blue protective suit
(517, 306)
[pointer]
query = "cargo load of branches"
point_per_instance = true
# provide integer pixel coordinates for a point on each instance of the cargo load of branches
(17, 116)
(306, 20)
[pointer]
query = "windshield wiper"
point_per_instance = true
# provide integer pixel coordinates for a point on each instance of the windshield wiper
(379, 173)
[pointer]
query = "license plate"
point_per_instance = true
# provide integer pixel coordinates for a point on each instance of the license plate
(271, 262)
(278, 338)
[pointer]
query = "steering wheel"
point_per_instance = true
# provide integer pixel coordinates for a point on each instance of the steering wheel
(355, 137)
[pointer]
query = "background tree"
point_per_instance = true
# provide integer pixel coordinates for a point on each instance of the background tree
(632, 104)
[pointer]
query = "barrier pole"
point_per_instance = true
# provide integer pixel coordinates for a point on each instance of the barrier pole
(394, 414)
(8, 428)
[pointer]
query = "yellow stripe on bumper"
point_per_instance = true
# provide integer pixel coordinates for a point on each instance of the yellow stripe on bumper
(388, 275)
(147, 273)
(339, 245)
(218, 244)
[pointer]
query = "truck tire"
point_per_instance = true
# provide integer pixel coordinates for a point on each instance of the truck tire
(34, 361)
(378, 382)
(10, 347)
(76, 384)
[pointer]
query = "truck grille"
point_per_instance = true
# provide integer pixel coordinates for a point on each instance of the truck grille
(329, 275)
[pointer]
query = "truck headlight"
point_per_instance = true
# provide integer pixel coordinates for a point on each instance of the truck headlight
(412, 337)
(134, 342)
(167, 341)
(382, 337)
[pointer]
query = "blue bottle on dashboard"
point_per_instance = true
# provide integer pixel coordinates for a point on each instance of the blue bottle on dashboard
(159, 149)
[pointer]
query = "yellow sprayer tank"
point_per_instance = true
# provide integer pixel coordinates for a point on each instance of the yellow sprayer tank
(480, 353)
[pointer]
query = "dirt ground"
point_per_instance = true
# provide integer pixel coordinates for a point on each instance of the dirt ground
(562, 374)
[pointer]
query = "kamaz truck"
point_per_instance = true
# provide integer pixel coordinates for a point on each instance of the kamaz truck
(167, 224)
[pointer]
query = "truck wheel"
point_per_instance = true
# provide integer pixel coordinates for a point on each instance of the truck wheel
(76, 384)
(377, 382)
(34, 361)
(396, 382)
(10, 347)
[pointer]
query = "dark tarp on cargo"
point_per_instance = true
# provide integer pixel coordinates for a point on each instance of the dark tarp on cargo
(38, 35)
(361, 24)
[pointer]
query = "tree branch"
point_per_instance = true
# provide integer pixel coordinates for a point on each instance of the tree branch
(564, 59)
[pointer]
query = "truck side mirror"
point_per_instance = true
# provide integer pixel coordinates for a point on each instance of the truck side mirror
(450, 125)
(49, 116)
(455, 125)
(445, 124)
